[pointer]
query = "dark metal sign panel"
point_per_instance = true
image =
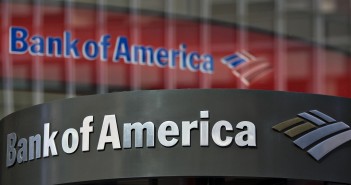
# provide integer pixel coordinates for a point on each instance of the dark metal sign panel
(236, 133)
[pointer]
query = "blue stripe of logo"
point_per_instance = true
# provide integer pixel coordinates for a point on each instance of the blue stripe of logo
(323, 116)
(237, 62)
(234, 60)
(311, 118)
(323, 148)
(229, 58)
(315, 135)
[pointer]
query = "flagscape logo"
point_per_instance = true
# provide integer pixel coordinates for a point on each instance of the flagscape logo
(247, 67)
(315, 132)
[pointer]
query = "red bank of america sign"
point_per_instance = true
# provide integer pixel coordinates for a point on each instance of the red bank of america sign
(159, 49)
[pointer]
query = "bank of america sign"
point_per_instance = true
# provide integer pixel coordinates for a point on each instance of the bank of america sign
(315, 132)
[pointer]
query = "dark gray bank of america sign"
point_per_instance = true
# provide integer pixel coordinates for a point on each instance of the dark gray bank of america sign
(178, 133)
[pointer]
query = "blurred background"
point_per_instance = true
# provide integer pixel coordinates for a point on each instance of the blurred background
(285, 45)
